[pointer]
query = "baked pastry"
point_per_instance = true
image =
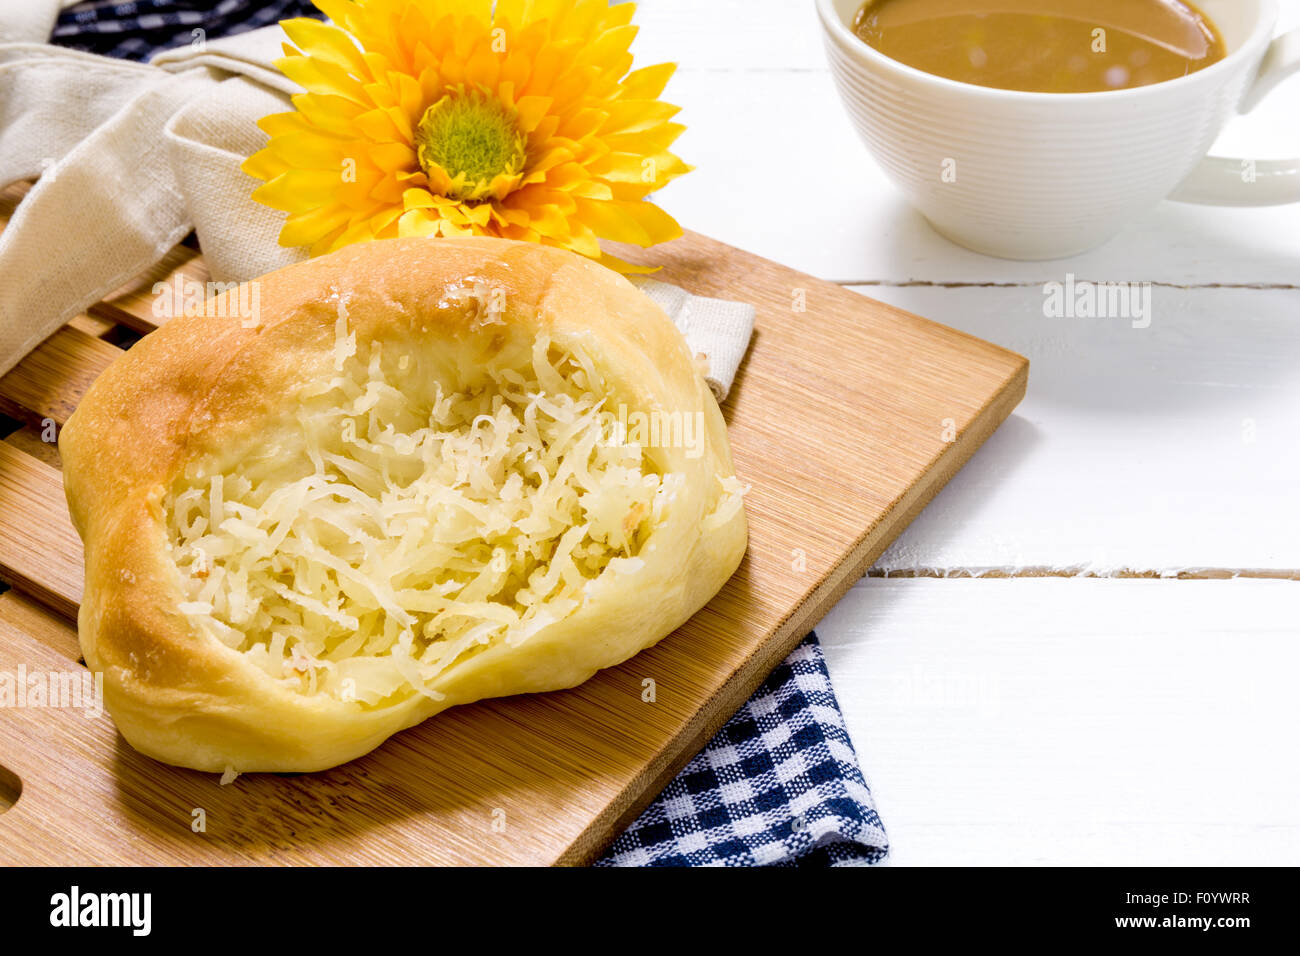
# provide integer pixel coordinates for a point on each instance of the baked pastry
(429, 472)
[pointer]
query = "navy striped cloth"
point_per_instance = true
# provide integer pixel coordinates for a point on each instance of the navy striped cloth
(137, 29)
(779, 784)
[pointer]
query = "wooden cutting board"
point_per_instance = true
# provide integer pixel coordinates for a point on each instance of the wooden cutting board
(846, 418)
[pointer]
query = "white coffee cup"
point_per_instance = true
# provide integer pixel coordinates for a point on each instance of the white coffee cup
(1026, 175)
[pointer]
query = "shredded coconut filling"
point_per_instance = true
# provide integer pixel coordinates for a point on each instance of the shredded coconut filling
(378, 536)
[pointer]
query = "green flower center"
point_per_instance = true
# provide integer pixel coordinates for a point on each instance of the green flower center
(473, 138)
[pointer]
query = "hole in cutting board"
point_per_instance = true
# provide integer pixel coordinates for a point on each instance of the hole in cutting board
(11, 788)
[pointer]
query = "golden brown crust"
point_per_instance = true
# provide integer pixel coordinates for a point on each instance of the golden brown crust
(200, 383)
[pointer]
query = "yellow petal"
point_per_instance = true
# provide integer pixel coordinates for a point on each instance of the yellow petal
(535, 197)
(618, 14)
(583, 240)
(304, 228)
(483, 68)
(409, 95)
(299, 189)
(581, 18)
(325, 41)
(417, 222)
(631, 116)
(648, 141)
(567, 175)
(417, 199)
(611, 47)
(360, 231)
(326, 242)
(384, 223)
(342, 12)
(583, 123)
(320, 76)
(276, 124)
(547, 220)
(393, 157)
(448, 228)
(651, 171)
(262, 165)
(381, 127)
(328, 112)
(626, 268)
(638, 223)
(309, 150)
(515, 11)
(531, 110)
(387, 191)
(592, 189)
(648, 82)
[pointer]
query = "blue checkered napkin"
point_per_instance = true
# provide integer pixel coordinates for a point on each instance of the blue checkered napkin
(137, 29)
(779, 784)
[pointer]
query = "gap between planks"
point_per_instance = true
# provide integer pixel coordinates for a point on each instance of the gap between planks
(1082, 571)
(937, 284)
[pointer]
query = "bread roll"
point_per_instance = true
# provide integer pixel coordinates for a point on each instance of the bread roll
(426, 472)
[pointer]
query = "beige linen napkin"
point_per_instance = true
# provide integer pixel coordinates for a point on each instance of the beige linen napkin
(24, 21)
(131, 157)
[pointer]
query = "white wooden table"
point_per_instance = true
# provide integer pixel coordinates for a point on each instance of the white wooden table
(1086, 651)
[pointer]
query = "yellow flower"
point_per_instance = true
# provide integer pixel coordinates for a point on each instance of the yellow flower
(450, 117)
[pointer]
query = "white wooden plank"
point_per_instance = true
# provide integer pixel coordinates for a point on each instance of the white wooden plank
(758, 35)
(1161, 449)
(781, 172)
(1075, 720)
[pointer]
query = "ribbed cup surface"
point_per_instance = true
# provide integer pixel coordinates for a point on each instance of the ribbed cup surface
(1030, 176)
